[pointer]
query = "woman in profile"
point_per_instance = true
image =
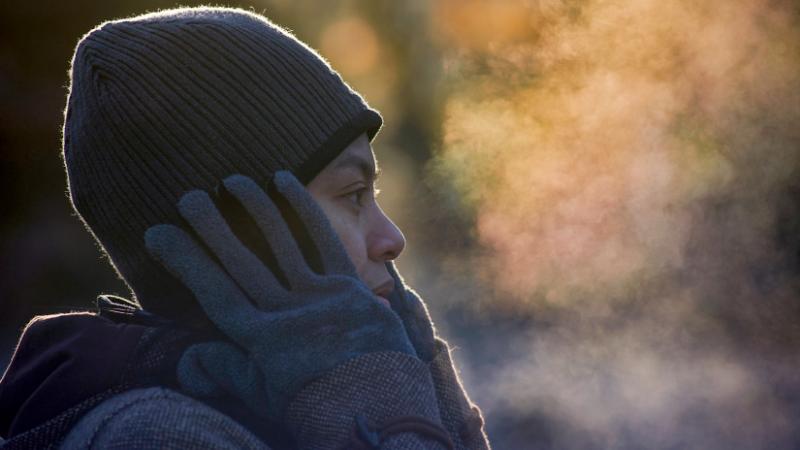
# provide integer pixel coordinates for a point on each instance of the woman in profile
(226, 170)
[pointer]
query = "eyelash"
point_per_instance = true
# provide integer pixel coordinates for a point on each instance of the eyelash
(357, 196)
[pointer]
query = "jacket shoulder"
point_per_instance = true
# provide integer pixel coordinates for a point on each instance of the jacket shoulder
(158, 418)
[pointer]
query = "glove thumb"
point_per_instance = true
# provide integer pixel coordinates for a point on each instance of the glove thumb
(220, 369)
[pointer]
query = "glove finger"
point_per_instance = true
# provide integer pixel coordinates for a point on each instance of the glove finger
(333, 254)
(414, 314)
(272, 225)
(214, 369)
(221, 299)
(246, 269)
(397, 298)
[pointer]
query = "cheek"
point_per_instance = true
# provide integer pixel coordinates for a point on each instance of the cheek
(350, 234)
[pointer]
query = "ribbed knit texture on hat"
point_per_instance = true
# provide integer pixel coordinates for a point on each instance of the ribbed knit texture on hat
(178, 100)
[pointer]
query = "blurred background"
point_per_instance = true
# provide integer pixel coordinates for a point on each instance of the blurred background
(600, 200)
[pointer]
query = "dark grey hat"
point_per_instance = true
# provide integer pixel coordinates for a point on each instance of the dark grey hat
(178, 100)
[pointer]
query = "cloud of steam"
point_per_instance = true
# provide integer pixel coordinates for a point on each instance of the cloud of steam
(627, 165)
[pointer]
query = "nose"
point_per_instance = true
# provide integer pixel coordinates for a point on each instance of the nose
(386, 241)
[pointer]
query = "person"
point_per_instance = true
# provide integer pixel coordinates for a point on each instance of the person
(227, 172)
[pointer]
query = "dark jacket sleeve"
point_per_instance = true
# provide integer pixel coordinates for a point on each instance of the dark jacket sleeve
(461, 417)
(387, 394)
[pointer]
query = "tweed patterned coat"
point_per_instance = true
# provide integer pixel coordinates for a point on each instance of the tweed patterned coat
(384, 400)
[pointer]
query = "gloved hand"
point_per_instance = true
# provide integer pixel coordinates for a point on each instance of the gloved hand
(281, 337)
(414, 314)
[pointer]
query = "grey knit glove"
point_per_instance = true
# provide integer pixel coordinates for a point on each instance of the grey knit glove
(461, 418)
(280, 337)
(414, 314)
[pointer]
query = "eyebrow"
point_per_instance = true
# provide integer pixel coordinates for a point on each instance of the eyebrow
(369, 171)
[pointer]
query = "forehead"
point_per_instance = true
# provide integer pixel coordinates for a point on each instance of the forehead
(359, 148)
(357, 156)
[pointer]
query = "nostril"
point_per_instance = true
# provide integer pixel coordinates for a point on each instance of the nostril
(387, 241)
(397, 244)
(387, 246)
(392, 254)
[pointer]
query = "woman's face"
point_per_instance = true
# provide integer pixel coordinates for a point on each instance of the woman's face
(345, 189)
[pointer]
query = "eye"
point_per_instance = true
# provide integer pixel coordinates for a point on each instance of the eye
(359, 197)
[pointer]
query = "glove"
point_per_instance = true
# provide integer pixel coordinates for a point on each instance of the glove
(414, 314)
(280, 337)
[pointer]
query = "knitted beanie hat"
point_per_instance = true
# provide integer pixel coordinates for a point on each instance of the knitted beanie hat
(167, 102)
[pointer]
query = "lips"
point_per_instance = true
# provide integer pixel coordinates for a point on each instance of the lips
(383, 291)
(384, 301)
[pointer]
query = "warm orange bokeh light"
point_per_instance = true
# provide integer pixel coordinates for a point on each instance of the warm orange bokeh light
(351, 45)
(620, 161)
(581, 162)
